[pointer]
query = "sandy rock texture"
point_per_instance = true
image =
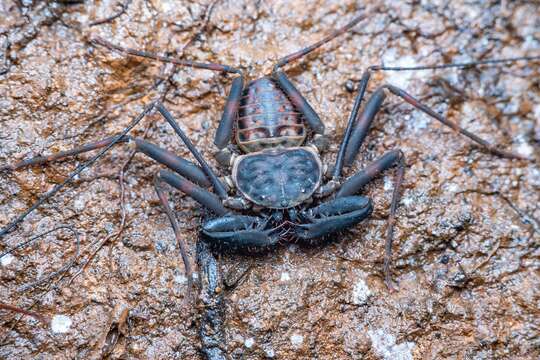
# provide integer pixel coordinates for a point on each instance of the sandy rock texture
(466, 250)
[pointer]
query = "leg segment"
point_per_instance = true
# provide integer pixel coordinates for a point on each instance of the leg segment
(149, 55)
(355, 183)
(483, 143)
(40, 160)
(218, 186)
(455, 65)
(303, 52)
(349, 130)
(181, 166)
(362, 126)
(225, 128)
(202, 196)
(181, 243)
(299, 102)
(333, 216)
(240, 232)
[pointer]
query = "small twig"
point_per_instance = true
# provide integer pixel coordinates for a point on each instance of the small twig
(18, 310)
(123, 8)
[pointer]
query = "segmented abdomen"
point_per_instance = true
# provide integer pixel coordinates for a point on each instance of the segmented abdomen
(266, 118)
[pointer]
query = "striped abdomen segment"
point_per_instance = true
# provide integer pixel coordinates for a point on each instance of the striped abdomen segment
(267, 118)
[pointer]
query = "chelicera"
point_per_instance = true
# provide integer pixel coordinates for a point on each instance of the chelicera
(270, 139)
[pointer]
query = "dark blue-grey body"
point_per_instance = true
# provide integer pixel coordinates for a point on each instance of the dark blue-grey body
(278, 178)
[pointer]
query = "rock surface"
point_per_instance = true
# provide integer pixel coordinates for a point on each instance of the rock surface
(466, 254)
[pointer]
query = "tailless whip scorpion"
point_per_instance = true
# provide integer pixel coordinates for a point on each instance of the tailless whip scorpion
(270, 139)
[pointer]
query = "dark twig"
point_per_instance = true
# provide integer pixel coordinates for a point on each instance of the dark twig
(123, 8)
(212, 321)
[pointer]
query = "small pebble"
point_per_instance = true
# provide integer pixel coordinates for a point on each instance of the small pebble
(60, 324)
(180, 279)
(249, 343)
(349, 86)
(6, 259)
(270, 353)
(361, 293)
(297, 340)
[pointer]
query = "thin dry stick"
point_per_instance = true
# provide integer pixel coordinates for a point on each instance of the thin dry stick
(123, 8)
(15, 309)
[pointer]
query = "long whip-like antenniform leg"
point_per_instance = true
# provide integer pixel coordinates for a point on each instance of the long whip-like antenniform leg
(72, 176)
(204, 197)
(454, 65)
(494, 149)
(181, 243)
(181, 166)
(355, 183)
(224, 132)
(358, 125)
(287, 86)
